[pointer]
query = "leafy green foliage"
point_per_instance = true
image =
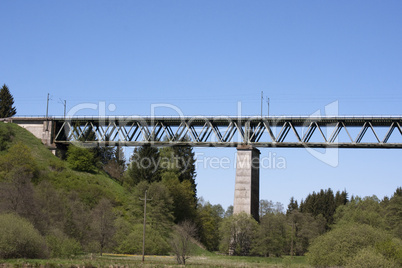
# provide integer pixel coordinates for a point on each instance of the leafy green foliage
(159, 207)
(155, 242)
(19, 157)
(61, 246)
(393, 213)
(6, 103)
(209, 219)
(305, 228)
(369, 258)
(19, 239)
(80, 159)
(6, 135)
(272, 235)
(184, 207)
(336, 247)
(391, 249)
(228, 212)
(238, 233)
(56, 200)
(366, 210)
(357, 224)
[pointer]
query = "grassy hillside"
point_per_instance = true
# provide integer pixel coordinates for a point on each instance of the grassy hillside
(91, 187)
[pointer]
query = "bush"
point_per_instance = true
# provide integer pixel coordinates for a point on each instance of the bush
(369, 258)
(56, 165)
(80, 159)
(342, 243)
(6, 135)
(181, 241)
(19, 156)
(155, 244)
(19, 239)
(62, 246)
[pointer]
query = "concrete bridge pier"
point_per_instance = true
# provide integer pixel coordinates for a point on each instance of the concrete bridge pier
(247, 185)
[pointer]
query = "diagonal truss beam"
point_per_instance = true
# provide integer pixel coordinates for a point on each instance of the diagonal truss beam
(323, 132)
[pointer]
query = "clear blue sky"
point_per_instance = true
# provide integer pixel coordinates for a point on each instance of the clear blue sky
(206, 56)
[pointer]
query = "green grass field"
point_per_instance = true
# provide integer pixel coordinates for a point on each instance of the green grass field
(112, 260)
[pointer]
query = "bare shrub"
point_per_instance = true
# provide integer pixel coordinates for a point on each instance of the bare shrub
(181, 240)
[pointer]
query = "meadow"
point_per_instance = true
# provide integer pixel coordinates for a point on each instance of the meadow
(123, 260)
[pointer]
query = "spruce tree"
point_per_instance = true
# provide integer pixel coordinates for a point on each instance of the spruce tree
(144, 165)
(6, 103)
(293, 205)
(186, 164)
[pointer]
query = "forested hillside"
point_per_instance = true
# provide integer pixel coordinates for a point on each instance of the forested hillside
(90, 201)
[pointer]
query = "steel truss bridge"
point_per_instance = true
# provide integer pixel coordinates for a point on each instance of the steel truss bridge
(222, 131)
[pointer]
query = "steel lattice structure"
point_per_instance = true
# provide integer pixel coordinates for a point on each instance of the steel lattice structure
(221, 131)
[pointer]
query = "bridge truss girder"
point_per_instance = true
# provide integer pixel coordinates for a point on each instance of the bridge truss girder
(317, 132)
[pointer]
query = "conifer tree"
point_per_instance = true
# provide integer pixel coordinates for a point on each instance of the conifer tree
(144, 165)
(293, 205)
(6, 103)
(186, 165)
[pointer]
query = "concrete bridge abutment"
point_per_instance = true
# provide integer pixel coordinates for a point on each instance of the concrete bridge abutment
(247, 185)
(41, 128)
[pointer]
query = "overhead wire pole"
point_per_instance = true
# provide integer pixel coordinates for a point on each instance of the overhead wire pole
(47, 113)
(262, 99)
(64, 102)
(143, 231)
(268, 106)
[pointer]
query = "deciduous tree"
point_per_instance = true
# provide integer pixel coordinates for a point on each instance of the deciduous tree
(103, 223)
(367, 210)
(19, 239)
(80, 159)
(208, 220)
(181, 241)
(238, 233)
(338, 246)
(184, 207)
(393, 213)
(272, 236)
